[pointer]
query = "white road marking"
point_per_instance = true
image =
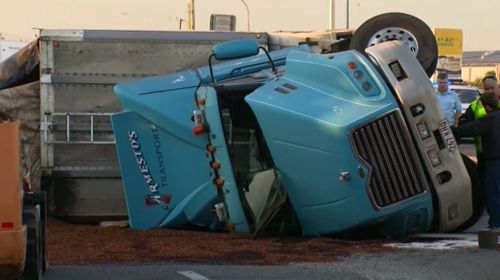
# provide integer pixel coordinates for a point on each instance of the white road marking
(192, 275)
(450, 244)
(441, 236)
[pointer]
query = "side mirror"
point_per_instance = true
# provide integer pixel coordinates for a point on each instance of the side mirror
(236, 49)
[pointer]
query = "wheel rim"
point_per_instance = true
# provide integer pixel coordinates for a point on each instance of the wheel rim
(395, 33)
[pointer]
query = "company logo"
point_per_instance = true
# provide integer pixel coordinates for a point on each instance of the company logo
(151, 200)
(154, 197)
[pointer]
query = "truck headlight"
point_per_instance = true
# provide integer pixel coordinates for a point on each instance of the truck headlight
(434, 157)
(423, 131)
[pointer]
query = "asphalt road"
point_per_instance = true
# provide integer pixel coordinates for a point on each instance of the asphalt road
(425, 256)
(428, 264)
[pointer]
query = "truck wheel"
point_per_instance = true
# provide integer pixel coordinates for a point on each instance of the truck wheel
(33, 199)
(33, 269)
(403, 27)
(478, 196)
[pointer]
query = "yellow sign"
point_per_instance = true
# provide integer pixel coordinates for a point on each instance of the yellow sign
(449, 41)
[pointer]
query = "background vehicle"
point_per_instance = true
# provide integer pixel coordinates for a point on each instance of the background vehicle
(22, 214)
(467, 94)
(338, 140)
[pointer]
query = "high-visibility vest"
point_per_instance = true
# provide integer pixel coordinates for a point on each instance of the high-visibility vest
(479, 112)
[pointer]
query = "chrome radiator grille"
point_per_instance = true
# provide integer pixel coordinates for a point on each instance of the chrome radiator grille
(385, 146)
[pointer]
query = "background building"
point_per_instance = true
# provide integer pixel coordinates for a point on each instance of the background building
(476, 64)
(7, 48)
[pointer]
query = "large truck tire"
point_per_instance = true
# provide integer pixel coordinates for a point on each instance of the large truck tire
(478, 195)
(33, 268)
(40, 198)
(35, 220)
(403, 27)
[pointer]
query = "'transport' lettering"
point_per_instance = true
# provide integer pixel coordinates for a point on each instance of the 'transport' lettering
(153, 187)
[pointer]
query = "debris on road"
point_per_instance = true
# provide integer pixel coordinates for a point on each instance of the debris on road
(72, 244)
(120, 224)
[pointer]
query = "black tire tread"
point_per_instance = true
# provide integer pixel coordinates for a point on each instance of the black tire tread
(427, 54)
(34, 248)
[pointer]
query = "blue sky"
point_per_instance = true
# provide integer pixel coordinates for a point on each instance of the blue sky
(480, 19)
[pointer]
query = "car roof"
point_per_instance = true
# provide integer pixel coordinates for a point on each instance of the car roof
(463, 87)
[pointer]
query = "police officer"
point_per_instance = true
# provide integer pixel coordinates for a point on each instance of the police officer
(448, 100)
(488, 127)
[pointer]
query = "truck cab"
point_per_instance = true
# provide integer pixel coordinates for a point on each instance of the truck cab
(344, 140)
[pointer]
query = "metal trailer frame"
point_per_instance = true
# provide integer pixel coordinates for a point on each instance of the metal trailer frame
(78, 69)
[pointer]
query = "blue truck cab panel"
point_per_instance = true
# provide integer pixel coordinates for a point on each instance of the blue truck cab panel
(166, 169)
(309, 118)
(165, 175)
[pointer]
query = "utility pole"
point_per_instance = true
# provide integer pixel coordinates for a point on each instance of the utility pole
(332, 15)
(190, 17)
(347, 15)
(248, 15)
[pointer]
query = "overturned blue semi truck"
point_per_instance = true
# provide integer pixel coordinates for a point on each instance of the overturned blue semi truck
(326, 143)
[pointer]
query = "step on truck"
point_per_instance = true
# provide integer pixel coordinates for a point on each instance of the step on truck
(323, 143)
(22, 214)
